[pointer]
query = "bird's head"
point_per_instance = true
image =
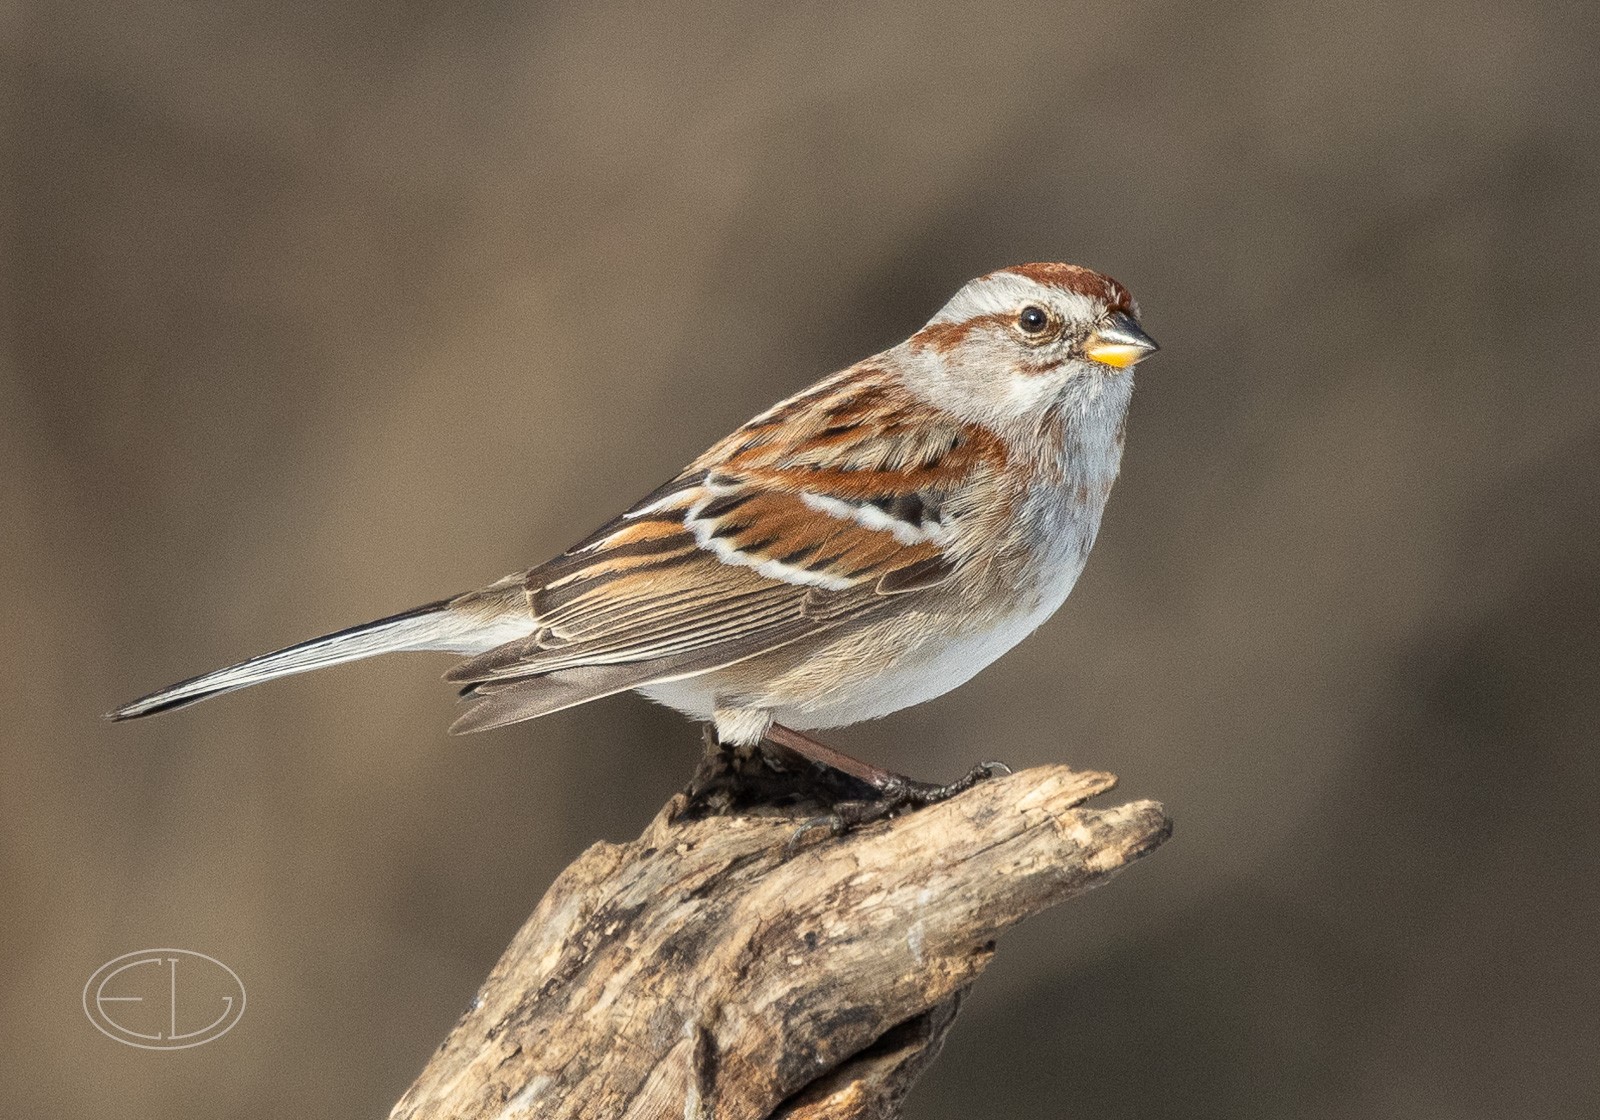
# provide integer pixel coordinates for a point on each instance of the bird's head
(1017, 342)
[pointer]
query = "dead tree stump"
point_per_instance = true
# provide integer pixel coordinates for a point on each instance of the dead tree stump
(720, 966)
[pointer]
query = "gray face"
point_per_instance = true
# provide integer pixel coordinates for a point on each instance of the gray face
(1011, 346)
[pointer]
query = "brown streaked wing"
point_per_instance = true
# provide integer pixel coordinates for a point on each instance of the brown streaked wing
(498, 703)
(632, 606)
(857, 435)
(735, 556)
(623, 609)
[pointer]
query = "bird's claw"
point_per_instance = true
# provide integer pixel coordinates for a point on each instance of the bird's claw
(906, 793)
(894, 795)
(833, 822)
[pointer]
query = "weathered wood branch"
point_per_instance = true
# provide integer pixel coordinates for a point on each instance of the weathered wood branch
(720, 966)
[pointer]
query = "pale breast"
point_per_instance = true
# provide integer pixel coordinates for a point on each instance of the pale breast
(928, 644)
(915, 654)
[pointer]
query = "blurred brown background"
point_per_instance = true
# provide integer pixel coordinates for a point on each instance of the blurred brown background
(313, 311)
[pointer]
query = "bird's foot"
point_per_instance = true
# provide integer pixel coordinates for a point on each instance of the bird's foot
(908, 793)
(896, 794)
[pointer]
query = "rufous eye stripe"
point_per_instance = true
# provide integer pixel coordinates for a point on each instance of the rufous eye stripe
(941, 338)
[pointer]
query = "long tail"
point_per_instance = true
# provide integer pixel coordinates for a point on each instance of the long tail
(450, 625)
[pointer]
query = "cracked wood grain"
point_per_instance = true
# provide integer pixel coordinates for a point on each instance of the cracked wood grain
(713, 968)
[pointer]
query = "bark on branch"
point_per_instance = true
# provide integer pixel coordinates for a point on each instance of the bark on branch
(719, 967)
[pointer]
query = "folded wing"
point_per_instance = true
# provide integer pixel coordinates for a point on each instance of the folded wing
(809, 518)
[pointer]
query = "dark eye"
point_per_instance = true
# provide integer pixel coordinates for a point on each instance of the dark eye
(1032, 319)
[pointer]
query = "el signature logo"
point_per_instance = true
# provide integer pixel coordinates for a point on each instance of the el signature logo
(164, 999)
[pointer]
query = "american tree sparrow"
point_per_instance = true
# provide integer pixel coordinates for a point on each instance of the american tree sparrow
(868, 544)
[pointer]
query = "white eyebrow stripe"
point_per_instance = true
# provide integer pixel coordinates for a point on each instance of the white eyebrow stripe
(1005, 292)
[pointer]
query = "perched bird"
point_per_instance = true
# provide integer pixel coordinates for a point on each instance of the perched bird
(868, 544)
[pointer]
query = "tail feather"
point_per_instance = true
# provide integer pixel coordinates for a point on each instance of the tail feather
(441, 626)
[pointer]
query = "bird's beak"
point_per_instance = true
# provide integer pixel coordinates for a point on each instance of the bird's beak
(1120, 343)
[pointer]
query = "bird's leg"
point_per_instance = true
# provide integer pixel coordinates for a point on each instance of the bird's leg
(895, 791)
(747, 778)
(807, 747)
